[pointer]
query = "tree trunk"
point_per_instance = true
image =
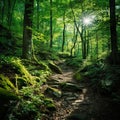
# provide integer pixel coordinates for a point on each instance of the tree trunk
(11, 5)
(74, 41)
(114, 48)
(27, 30)
(38, 19)
(84, 45)
(97, 44)
(2, 10)
(88, 43)
(81, 33)
(51, 31)
(64, 28)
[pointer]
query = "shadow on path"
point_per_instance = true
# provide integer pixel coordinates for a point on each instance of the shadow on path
(80, 104)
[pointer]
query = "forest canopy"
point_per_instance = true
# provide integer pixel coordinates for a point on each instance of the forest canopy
(79, 28)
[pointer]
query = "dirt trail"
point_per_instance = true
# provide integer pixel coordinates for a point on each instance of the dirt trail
(83, 104)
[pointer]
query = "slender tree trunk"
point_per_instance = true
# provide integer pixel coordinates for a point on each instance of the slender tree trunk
(88, 44)
(91, 50)
(51, 31)
(74, 41)
(114, 47)
(84, 45)
(11, 5)
(97, 44)
(2, 10)
(38, 19)
(64, 29)
(27, 30)
(81, 33)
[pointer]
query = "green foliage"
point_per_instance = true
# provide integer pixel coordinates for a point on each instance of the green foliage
(63, 54)
(6, 83)
(22, 70)
(38, 38)
(32, 105)
(50, 91)
(74, 62)
(26, 82)
(16, 73)
(7, 95)
(78, 76)
(103, 78)
(14, 69)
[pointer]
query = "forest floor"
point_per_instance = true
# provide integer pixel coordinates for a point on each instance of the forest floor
(83, 104)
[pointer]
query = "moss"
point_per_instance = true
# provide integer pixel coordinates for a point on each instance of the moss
(53, 92)
(49, 104)
(78, 76)
(51, 107)
(54, 68)
(43, 66)
(6, 83)
(7, 95)
(22, 70)
(63, 54)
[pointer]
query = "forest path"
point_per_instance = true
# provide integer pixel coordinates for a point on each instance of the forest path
(75, 104)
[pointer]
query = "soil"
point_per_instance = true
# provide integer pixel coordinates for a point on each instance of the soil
(85, 104)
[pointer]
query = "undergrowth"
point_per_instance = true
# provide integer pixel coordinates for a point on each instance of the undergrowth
(23, 79)
(74, 62)
(103, 78)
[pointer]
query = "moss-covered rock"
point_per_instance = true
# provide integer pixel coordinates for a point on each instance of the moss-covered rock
(49, 104)
(53, 92)
(6, 83)
(15, 72)
(67, 86)
(54, 68)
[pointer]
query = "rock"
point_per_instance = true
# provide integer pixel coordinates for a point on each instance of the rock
(67, 86)
(77, 102)
(68, 94)
(53, 92)
(79, 116)
(54, 68)
(52, 82)
(70, 98)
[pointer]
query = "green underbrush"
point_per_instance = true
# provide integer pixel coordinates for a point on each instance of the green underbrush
(103, 78)
(20, 89)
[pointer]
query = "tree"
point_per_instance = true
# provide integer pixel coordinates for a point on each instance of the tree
(51, 31)
(11, 5)
(114, 48)
(64, 30)
(2, 9)
(27, 29)
(38, 16)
